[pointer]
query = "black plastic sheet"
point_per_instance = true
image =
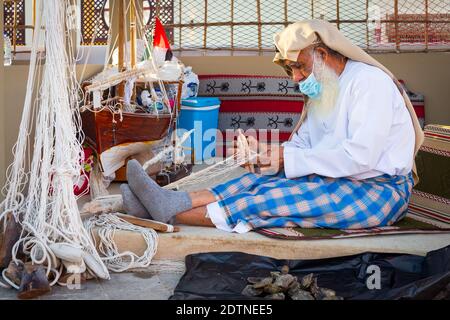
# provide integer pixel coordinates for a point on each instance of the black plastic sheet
(402, 276)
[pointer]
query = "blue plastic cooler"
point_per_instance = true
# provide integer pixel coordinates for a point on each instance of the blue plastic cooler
(201, 114)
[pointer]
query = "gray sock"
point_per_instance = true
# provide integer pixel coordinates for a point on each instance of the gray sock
(131, 203)
(160, 203)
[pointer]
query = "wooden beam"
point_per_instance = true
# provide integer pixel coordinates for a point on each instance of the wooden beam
(133, 32)
(147, 223)
(205, 24)
(121, 45)
(258, 12)
(34, 15)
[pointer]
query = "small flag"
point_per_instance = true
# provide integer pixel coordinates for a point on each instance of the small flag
(161, 46)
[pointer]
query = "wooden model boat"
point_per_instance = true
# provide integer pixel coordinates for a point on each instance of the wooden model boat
(109, 127)
(104, 130)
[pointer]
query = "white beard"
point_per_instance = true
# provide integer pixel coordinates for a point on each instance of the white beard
(326, 102)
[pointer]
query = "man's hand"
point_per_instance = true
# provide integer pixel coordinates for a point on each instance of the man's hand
(269, 159)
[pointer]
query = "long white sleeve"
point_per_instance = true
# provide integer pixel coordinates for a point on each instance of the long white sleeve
(370, 108)
(300, 139)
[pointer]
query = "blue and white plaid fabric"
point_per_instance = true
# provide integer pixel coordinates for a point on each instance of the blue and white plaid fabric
(313, 201)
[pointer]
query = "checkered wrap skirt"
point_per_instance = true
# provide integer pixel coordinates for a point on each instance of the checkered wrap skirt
(313, 201)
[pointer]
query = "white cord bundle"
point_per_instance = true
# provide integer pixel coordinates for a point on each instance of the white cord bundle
(106, 226)
(243, 155)
(49, 213)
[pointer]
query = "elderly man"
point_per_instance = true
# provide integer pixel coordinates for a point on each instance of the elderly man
(349, 163)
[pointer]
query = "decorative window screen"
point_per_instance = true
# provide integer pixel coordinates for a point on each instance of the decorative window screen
(374, 25)
(95, 15)
(14, 21)
(94, 29)
(164, 9)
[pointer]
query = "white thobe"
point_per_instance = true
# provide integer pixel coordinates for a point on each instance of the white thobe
(369, 132)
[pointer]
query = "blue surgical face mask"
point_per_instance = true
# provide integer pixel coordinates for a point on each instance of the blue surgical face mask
(310, 86)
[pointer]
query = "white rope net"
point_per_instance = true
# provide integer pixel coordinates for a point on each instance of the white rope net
(39, 191)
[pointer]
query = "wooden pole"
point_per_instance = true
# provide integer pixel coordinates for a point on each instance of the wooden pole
(367, 24)
(147, 223)
(337, 15)
(179, 18)
(286, 13)
(141, 25)
(34, 15)
(205, 24)
(397, 41)
(133, 33)
(426, 25)
(232, 26)
(258, 12)
(121, 45)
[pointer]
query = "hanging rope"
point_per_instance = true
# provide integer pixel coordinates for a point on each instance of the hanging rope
(48, 214)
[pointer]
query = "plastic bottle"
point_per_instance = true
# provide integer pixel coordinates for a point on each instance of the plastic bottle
(7, 55)
(191, 83)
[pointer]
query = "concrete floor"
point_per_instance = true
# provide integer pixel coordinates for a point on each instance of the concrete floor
(142, 285)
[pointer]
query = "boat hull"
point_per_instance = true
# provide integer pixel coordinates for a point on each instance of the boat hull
(103, 130)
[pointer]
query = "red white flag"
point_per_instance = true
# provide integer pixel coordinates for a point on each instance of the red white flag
(161, 46)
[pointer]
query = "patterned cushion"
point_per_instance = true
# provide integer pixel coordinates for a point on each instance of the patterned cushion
(269, 105)
(430, 199)
(418, 102)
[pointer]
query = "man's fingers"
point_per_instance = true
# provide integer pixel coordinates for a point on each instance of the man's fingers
(268, 171)
(231, 151)
(252, 139)
(265, 159)
(263, 147)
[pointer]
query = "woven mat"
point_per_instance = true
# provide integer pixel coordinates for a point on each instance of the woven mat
(405, 226)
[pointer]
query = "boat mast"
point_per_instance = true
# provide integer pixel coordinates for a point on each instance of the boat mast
(121, 46)
(133, 33)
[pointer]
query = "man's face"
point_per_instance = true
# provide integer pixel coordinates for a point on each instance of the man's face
(301, 68)
(325, 74)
